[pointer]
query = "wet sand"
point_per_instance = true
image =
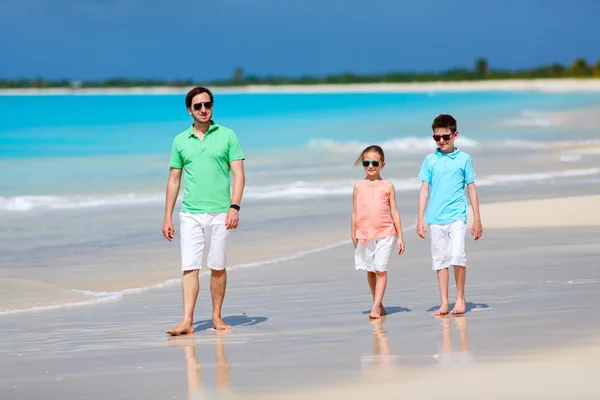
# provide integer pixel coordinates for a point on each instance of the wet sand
(300, 326)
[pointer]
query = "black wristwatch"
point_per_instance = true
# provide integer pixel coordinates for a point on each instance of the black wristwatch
(235, 207)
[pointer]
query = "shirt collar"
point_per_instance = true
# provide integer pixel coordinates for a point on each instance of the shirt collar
(451, 155)
(213, 127)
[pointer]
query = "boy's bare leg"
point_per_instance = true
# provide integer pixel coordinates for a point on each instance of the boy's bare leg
(460, 274)
(372, 278)
(379, 291)
(190, 288)
(443, 277)
(218, 284)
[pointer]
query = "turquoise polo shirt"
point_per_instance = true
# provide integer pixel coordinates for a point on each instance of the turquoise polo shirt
(206, 168)
(447, 175)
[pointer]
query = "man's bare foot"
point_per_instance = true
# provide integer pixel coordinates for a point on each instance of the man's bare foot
(443, 310)
(219, 325)
(459, 306)
(184, 328)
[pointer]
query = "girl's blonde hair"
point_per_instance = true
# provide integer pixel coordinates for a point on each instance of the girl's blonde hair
(373, 148)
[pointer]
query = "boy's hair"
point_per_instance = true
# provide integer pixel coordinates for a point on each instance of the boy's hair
(372, 148)
(195, 92)
(444, 121)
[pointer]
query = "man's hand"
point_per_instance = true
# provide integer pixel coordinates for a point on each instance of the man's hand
(168, 230)
(476, 230)
(400, 246)
(421, 228)
(232, 219)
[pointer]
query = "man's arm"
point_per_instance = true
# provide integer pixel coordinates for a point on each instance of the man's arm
(173, 185)
(476, 229)
(396, 218)
(232, 219)
(423, 195)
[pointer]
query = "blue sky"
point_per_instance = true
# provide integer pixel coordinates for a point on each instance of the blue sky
(206, 39)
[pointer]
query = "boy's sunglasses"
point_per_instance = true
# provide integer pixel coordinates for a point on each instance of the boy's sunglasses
(437, 138)
(207, 104)
(374, 163)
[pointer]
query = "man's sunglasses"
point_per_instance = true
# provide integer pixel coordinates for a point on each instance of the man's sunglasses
(207, 104)
(374, 163)
(437, 138)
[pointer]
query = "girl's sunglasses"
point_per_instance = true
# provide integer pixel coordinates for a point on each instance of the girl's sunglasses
(437, 138)
(374, 163)
(207, 104)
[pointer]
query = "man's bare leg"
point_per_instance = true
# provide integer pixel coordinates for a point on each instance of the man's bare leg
(380, 286)
(443, 277)
(372, 278)
(190, 287)
(218, 284)
(460, 275)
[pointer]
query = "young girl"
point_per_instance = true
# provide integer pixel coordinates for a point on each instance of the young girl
(375, 225)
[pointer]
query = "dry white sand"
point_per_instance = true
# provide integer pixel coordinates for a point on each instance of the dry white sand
(544, 213)
(542, 85)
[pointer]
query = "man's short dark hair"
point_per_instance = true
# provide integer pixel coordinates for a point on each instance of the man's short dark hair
(196, 91)
(444, 121)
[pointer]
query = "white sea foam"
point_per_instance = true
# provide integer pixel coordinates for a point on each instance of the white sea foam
(292, 190)
(403, 145)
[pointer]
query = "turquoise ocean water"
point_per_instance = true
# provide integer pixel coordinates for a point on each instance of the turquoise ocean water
(82, 177)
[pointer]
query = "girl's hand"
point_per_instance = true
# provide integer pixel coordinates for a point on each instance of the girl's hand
(400, 246)
(354, 241)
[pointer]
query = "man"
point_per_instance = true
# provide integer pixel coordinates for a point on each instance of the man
(205, 153)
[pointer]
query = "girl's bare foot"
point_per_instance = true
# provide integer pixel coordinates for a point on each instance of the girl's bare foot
(375, 312)
(184, 328)
(443, 310)
(460, 306)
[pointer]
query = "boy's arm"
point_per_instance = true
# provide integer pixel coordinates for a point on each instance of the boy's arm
(396, 218)
(353, 221)
(423, 195)
(476, 229)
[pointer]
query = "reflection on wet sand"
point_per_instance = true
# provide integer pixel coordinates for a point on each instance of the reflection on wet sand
(381, 361)
(193, 369)
(449, 356)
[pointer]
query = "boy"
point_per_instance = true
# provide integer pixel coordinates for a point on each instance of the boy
(447, 171)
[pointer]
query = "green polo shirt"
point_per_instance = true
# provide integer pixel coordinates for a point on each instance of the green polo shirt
(206, 168)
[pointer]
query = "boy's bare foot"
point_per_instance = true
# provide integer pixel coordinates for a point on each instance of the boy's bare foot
(459, 306)
(443, 310)
(184, 328)
(219, 325)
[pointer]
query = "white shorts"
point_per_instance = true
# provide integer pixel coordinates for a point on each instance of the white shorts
(448, 245)
(374, 254)
(198, 229)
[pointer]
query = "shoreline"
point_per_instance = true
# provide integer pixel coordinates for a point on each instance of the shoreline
(563, 85)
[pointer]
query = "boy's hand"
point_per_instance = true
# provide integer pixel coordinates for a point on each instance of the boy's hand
(400, 246)
(476, 230)
(421, 229)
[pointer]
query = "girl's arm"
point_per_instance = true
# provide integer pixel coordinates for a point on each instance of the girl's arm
(353, 222)
(396, 218)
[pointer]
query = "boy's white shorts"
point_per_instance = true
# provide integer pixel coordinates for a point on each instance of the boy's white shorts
(374, 254)
(200, 231)
(448, 245)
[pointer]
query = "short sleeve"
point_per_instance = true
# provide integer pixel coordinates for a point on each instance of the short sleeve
(176, 161)
(235, 150)
(425, 172)
(469, 172)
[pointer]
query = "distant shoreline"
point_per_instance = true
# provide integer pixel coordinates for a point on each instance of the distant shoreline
(519, 85)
